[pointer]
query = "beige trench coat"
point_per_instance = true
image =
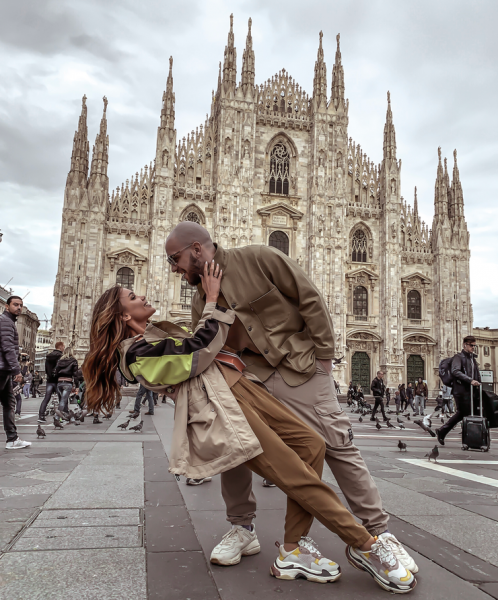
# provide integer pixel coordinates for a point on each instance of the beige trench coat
(211, 433)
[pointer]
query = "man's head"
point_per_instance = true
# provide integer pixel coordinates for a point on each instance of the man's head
(410, 384)
(14, 305)
(469, 343)
(380, 374)
(59, 346)
(420, 380)
(188, 247)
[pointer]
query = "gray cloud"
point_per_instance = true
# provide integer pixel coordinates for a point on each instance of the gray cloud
(436, 58)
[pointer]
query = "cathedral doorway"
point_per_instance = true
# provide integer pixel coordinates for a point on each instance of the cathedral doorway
(360, 370)
(415, 368)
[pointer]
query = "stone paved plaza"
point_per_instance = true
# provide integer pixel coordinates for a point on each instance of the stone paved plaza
(91, 512)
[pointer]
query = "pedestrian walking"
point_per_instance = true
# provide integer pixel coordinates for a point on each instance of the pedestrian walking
(243, 424)
(447, 399)
(378, 390)
(10, 370)
(28, 378)
(65, 372)
(409, 396)
(143, 391)
(421, 394)
(466, 380)
(397, 401)
(388, 397)
(402, 395)
(35, 384)
(51, 361)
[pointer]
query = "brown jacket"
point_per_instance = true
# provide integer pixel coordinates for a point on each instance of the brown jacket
(281, 310)
(211, 433)
(421, 389)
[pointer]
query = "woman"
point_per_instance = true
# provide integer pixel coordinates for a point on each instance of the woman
(230, 420)
(402, 394)
(65, 373)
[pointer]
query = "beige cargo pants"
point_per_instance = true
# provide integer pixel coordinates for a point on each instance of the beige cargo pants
(315, 402)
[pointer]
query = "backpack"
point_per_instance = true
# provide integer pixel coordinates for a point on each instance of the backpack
(445, 371)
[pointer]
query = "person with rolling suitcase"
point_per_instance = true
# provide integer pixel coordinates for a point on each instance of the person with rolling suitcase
(462, 372)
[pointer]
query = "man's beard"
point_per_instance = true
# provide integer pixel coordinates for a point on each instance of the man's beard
(195, 268)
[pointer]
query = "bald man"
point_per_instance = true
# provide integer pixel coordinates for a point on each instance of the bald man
(284, 334)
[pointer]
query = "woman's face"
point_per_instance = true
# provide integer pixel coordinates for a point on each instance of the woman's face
(136, 309)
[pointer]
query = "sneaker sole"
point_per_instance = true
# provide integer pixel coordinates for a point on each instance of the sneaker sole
(205, 480)
(253, 548)
(16, 447)
(389, 586)
(292, 572)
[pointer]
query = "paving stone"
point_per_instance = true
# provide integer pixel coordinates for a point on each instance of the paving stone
(9, 481)
(105, 574)
(156, 469)
(154, 450)
(169, 529)
(8, 532)
(179, 576)
(491, 512)
(75, 538)
(462, 498)
(490, 588)
(28, 501)
(95, 517)
(163, 493)
(62, 467)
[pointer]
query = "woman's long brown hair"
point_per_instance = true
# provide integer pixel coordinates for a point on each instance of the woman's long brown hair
(107, 331)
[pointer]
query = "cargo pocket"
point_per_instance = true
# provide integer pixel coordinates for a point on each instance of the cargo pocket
(271, 309)
(206, 434)
(334, 424)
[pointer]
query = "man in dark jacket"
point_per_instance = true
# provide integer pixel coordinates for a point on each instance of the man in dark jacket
(10, 369)
(466, 377)
(378, 389)
(421, 393)
(50, 363)
(65, 372)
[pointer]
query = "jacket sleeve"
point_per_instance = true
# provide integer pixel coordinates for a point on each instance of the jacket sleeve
(8, 345)
(457, 369)
(171, 361)
(293, 283)
(197, 309)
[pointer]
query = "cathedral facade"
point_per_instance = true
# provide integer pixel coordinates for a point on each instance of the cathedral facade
(273, 165)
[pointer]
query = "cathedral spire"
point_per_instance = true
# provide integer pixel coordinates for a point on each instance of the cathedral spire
(338, 76)
(320, 79)
(457, 192)
(389, 132)
(440, 192)
(415, 205)
(168, 108)
(100, 154)
(248, 63)
(230, 62)
(81, 148)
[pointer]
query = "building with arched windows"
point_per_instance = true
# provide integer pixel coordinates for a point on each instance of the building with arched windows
(274, 165)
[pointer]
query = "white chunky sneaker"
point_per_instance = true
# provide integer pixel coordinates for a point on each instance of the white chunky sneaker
(235, 544)
(399, 552)
(303, 563)
(17, 444)
(383, 566)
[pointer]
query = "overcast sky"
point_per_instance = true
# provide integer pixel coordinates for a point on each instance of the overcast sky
(438, 58)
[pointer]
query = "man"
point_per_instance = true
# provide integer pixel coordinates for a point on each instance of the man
(285, 335)
(421, 393)
(466, 378)
(378, 390)
(37, 379)
(409, 396)
(148, 395)
(28, 380)
(51, 361)
(10, 369)
(446, 393)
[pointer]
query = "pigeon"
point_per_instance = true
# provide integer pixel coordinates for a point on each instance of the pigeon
(360, 419)
(378, 425)
(401, 446)
(137, 427)
(401, 426)
(408, 416)
(434, 454)
(39, 432)
(424, 427)
(389, 424)
(124, 425)
(57, 424)
(108, 416)
(427, 420)
(336, 361)
(399, 420)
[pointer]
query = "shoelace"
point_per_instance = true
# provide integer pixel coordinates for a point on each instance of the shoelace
(394, 544)
(231, 537)
(310, 544)
(384, 552)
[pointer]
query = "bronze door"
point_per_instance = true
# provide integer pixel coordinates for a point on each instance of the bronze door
(360, 371)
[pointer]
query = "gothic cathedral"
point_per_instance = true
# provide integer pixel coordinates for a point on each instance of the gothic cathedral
(272, 165)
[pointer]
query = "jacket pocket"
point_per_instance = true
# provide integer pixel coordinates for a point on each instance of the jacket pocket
(334, 424)
(271, 309)
(206, 434)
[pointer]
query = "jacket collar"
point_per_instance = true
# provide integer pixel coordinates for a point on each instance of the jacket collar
(467, 354)
(10, 315)
(221, 258)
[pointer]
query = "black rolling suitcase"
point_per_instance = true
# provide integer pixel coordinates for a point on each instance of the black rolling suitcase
(475, 431)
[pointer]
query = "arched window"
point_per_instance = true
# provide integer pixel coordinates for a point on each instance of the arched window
(125, 277)
(187, 292)
(414, 305)
(359, 246)
(279, 170)
(360, 303)
(280, 240)
(193, 216)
